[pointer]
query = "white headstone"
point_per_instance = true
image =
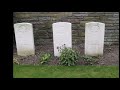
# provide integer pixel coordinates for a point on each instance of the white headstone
(94, 38)
(24, 39)
(62, 35)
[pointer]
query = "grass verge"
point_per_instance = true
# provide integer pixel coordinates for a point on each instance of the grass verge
(47, 71)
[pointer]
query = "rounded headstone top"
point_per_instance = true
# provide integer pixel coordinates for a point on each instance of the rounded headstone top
(61, 23)
(23, 23)
(94, 23)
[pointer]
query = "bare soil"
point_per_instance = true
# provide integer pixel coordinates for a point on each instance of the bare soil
(110, 56)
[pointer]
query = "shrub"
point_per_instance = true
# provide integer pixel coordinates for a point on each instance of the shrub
(45, 58)
(68, 56)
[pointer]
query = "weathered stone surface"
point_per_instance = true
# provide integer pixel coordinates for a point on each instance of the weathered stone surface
(24, 39)
(43, 21)
(94, 38)
(62, 35)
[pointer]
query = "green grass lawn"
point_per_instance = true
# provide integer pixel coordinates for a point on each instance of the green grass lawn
(45, 71)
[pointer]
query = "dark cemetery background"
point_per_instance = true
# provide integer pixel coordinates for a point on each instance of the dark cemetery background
(42, 25)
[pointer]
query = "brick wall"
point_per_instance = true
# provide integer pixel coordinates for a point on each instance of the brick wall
(42, 24)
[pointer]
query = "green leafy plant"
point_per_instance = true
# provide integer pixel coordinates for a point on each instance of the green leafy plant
(89, 60)
(45, 58)
(68, 56)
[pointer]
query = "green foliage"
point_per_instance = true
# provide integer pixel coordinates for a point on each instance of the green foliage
(45, 58)
(68, 57)
(89, 60)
